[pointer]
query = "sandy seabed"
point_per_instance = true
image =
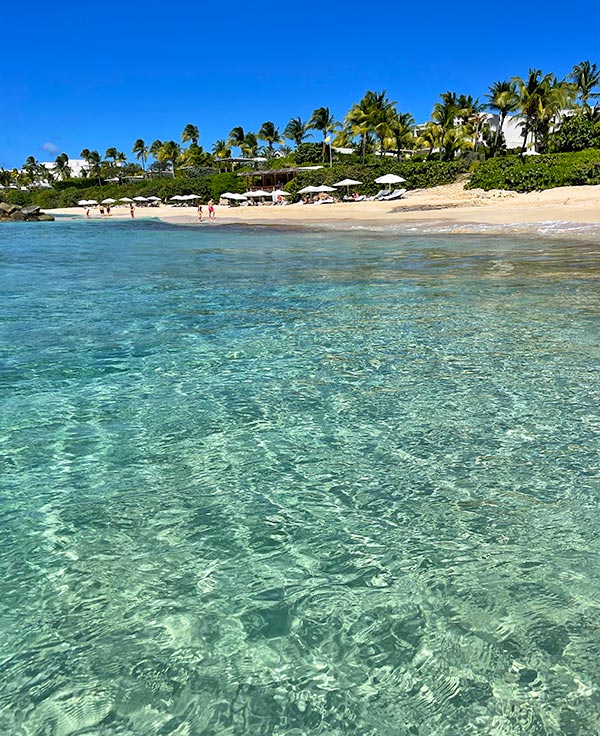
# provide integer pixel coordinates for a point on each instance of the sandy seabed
(449, 208)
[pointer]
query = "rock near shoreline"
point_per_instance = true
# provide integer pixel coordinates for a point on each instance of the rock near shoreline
(14, 213)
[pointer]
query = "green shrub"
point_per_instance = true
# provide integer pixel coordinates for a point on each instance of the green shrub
(418, 175)
(529, 173)
(576, 133)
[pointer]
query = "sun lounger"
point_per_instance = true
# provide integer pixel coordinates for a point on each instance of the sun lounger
(396, 194)
(381, 194)
(346, 198)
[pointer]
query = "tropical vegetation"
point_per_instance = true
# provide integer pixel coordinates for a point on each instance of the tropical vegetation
(556, 116)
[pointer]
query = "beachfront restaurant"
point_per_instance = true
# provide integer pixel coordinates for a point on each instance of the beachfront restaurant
(271, 179)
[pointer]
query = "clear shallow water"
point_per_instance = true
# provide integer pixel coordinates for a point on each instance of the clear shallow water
(259, 482)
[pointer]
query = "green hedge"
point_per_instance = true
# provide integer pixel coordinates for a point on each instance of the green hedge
(68, 196)
(530, 173)
(418, 175)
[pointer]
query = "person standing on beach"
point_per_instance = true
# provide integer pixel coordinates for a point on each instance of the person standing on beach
(211, 210)
(200, 213)
(87, 212)
(131, 210)
(101, 211)
(108, 210)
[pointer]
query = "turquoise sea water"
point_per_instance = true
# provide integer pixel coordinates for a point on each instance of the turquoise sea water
(258, 482)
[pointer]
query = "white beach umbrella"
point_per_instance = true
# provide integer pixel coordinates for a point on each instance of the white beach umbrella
(308, 190)
(389, 179)
(153, 199)
(280, 193)
(324, 188)
(176, 198)
(109, 200)
(258, 193)
(92, 201)
(82, 202)
(233, 195)
(125, 199)
(140, 199)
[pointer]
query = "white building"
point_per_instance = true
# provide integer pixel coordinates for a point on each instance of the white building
(77, 166)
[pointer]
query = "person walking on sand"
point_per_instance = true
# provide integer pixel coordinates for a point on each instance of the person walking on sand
(200, 213)
(87, 212)
(131, 209)
(211, 210)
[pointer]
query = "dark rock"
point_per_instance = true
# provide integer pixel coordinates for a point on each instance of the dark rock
(45, 217)
(33, 209)
(18, 215)
(7, 209)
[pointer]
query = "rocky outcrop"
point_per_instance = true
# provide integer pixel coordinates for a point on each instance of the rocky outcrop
(12, 213)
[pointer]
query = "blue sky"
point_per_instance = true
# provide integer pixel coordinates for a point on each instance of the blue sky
(77, 75)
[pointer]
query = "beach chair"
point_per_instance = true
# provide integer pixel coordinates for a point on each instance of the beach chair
(346, 198)
(381, 194)
(396, 194)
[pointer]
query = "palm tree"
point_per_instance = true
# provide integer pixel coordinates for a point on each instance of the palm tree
(296, 131)
(61, 166)
(221, 149)
(249, 145)
(401, 131)
(33, 170)
(141, 151)
(190, 133)
(324, 121)
(444, 115)
(503, 98)
(379, 111)
(237, 137)
(586, 77)
(169, 151)
(430, 137)
(356, 123)
(541, 98)
(269, 133)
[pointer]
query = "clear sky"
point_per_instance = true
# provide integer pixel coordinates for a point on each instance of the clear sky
(79, 75)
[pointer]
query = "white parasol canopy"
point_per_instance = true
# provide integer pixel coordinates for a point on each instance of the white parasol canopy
(81, 203)
(280, 193)
(308, 190)
(233, 195)
(125, 199)
(108, 200)
(140, 199)
(389, 179)
(258, 193)
(347, 183)
(324, 188)
(153, 199)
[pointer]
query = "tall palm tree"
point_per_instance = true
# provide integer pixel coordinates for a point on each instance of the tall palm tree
(356, 123)
(541, 98)
(249, 145)
(297, 131)
(61, 166)
(586, 77)
(503, 99)
(444, 115)
(221, 149)
(169, 152)
(379, 111)
(237, 137)
(430, 137)
(141, 151)
(190, 133)
(401, 125)
(324, 121)
(271, 135)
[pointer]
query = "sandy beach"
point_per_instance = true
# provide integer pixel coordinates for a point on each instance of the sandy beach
(450, 206)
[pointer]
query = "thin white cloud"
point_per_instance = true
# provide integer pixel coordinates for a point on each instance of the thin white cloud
(50, 147)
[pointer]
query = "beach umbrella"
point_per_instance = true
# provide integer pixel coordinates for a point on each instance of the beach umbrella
(92, 201)
(109, 200)
(153, 199)
(140, 199)
(176, 198)
(82, 202)
(308, 190)
(324, 188)
(389, 179)
(233, 195)
(347, 183)
(258, 193)
(280, 193)
(125, 199)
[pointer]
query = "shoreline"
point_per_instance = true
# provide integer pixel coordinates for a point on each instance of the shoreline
(564, 211)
